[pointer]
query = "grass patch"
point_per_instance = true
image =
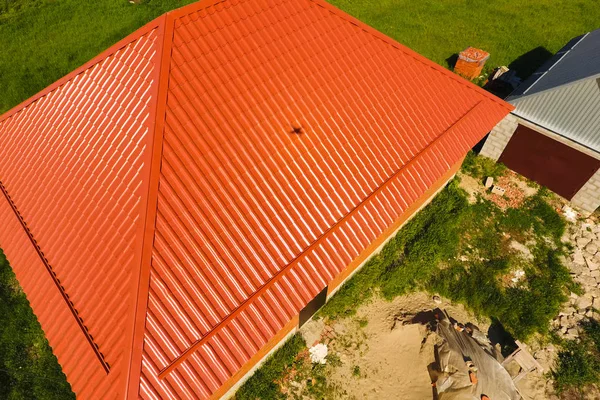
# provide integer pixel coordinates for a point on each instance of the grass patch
(578, 363)
(75, 31)
(482, 167)
(28, 369)
(264, 383)
(511, 30)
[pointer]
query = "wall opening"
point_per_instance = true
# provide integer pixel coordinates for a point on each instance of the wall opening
(311, 308)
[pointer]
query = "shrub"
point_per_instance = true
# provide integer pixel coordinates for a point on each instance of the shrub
(424, 255)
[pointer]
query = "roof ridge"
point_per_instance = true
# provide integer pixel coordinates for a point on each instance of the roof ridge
(133, 36)
(149, 219)
(274, 279)
(203, 4)
(405, 49)
(552, 89)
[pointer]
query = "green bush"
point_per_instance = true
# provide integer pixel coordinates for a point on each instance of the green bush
(482, 167)
(424, 255)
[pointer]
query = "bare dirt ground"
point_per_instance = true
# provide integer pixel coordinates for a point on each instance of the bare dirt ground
(384, 350)
(517, 189)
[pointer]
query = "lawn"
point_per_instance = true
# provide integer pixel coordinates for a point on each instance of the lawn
(42, 40)
(517, 33)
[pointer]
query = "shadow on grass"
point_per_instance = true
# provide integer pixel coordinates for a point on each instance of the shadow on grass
(528, 63)
(451, 61)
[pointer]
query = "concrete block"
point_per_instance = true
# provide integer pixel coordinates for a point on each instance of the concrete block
(498, 190)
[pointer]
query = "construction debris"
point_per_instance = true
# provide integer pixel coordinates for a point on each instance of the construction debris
(525, 361)
(318, 353)
(466, 369)
(497, 190)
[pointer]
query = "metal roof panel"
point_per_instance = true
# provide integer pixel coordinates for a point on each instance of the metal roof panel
(253, 219)
(229, 160)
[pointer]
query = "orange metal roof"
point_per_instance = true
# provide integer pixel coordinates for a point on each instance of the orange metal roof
(164, 218)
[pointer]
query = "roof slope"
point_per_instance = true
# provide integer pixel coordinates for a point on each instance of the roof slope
(72, 163)
(564, 94)
(164, 219)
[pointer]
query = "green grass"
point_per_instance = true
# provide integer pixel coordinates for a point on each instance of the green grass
(263, 384)
(578, 363)
(508, 29)
(43, 40)
(28, 369)
(481, 168)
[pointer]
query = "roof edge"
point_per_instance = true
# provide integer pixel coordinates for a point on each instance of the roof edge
(52, 273)
(552, 89)
(202, 4)
(408, 51)
(545, 68)
(155, 23)
(155, 162)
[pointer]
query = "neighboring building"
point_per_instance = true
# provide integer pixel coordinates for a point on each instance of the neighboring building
(553, 135)
(174, 208)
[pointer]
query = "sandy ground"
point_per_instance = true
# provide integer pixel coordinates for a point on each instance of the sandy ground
(391, 352)
(393, 367)
(385, 351)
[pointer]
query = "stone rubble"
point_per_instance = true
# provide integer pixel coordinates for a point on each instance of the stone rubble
(584, 265)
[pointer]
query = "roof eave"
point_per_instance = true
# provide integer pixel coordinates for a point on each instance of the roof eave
(100, 57)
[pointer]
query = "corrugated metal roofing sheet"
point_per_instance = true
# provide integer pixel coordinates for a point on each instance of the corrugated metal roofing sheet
(564, 94)
(167, 186)
(253, 220)
(579, 59)
(72, 162)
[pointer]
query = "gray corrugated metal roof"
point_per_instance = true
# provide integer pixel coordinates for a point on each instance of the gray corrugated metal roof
(564, 94)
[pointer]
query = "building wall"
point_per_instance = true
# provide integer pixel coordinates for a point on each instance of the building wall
(235, 382)
(587, 199)
(499, 136)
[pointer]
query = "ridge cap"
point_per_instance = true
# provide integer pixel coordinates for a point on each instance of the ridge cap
(154, 160)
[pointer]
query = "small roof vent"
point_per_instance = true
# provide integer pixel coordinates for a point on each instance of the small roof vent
(296, 128)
